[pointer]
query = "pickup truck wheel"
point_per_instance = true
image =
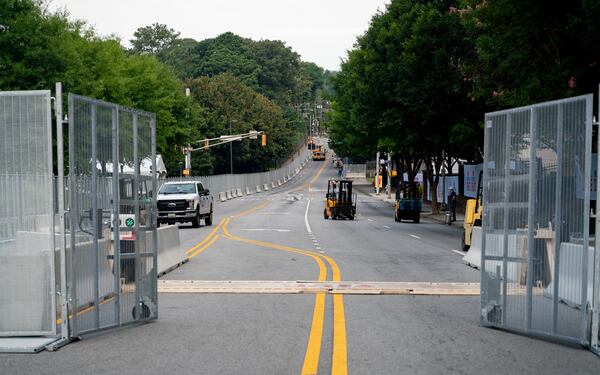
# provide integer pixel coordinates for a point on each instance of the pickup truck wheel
(196, 220)
(208, 220)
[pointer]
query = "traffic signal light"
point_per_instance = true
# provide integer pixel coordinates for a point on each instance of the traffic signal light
(264, 140)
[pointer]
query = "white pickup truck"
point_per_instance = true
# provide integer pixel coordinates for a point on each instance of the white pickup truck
(184, 201)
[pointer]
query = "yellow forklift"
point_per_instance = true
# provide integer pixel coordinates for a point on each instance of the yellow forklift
(473, 215)
(340, 202)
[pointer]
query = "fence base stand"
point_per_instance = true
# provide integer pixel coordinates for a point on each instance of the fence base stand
(25, 344)
(59, 344)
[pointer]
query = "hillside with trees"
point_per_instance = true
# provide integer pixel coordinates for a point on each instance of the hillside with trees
(258, 84)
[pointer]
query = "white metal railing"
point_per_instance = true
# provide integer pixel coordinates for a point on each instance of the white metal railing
(249, 182)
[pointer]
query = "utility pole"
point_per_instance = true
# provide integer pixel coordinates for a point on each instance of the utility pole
(389, 172)
(231, 149)
(443, 177)
(377, 174)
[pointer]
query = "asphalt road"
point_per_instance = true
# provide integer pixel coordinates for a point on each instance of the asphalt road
(281, 235)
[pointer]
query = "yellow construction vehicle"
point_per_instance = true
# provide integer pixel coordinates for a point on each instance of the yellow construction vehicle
(318, 153)
(408, 202)
(473, 215)
(340, 203)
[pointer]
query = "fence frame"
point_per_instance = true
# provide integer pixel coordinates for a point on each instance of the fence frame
(116, 205)
(487, 281)
(595, 326)
(52, 271)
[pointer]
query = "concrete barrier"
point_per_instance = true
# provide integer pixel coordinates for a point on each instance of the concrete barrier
(234, 193)
(473, 256)
(222, 196)
(33, 252)
(273, 185)
(278, 182)
(258, 190)
(229, 196)
(248, 192)
(265, 187)
(170, 255)
(25, 296)
(285, 179)
(494, 246)
(239, 192)
(569, 273)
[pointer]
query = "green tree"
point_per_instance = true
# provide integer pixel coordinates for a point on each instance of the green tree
(403, 88)
(533, 50)
(39, 48)
(181, 58)
(230, 102)
(153, 39)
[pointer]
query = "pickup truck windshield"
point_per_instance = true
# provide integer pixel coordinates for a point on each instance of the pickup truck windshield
(186, 188)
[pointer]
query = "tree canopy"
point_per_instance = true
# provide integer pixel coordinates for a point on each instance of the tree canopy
(263, 80)
(421, 78)
(153, 39)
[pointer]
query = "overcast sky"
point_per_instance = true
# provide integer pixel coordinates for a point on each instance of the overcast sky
(321, 31)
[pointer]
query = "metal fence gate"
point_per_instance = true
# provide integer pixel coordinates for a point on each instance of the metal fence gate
(27, 267)
(111, 237)
(537, 261)
(595, 336)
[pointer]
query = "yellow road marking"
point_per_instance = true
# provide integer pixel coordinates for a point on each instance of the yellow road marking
(247, 212)
(86, 310)
(209, 244)
(311, 361)
(313, 348)
(339, 363)
(206, 239)
(316, 176)
(312, 181)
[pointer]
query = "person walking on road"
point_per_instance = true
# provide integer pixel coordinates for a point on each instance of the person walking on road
(452, 203)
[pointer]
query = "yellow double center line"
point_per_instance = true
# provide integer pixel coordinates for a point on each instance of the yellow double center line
(205, 243)
(339, 365)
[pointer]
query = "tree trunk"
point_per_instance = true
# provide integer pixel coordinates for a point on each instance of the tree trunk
(411, 164)
(433, 166)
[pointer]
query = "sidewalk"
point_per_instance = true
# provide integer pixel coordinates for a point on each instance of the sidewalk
(364, 186)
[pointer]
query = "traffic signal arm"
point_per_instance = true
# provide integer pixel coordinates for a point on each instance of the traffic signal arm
(212, 142)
